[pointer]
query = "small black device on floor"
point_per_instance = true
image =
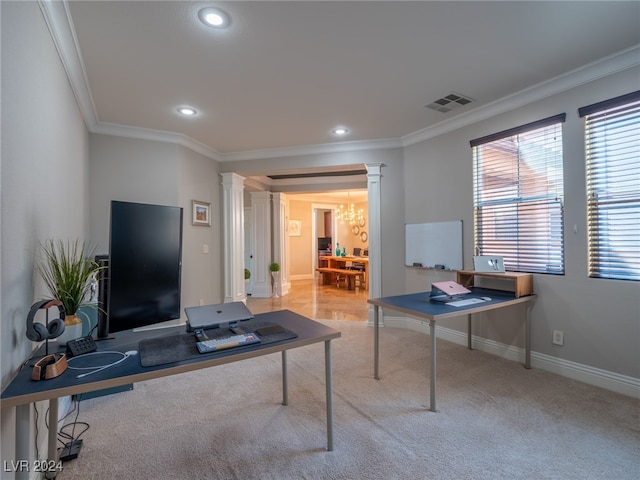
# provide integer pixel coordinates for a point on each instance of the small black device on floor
(70, 450)
(81, 345)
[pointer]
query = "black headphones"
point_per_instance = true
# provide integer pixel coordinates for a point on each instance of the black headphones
(37, 331)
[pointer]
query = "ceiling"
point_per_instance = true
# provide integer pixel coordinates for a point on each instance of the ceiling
(284, 74)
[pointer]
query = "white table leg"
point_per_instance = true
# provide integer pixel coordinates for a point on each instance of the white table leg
(23, 427)
(527, 336)
(53, 438)
(432, 332)
(376, 332)
(329, 390)
(285, 379)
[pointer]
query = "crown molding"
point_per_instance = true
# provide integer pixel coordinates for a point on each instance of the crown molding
(604, 67)
(257, 183)
(357, 145)
(60, 24)
(58, 19)
(140, 133)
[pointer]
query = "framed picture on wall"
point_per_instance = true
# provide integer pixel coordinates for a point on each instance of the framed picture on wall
(295, 228)
(201, 213)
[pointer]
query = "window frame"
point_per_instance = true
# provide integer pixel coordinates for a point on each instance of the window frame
(526, 243)
(612, 163)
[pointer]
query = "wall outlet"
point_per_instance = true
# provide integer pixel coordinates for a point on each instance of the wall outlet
(558, 337)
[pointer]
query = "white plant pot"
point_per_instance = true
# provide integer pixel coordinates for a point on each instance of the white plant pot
(276, 283)
(71, 332)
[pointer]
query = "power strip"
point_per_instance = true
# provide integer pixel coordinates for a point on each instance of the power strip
(70, 450)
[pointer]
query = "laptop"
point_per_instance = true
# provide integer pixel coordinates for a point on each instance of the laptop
(210, 316)
(444, 291)
(488, 263)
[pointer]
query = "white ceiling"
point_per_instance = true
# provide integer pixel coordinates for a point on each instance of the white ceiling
(285, 73)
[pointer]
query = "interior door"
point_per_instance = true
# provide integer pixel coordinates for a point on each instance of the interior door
(248, 247)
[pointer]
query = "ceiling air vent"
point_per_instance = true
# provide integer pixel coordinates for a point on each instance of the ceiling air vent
(450, 102)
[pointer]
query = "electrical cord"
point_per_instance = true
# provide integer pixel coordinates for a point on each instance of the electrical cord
(35, 408)
(69, 438)
(99, 368)
(62, 435)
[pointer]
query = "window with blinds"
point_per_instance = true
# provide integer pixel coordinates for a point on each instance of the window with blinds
(612, 143)
(518, 193)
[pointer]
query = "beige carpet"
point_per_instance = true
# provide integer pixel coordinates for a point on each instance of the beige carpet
(495, 420)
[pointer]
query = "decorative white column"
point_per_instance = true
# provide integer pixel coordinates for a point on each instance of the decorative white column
(233, 232)
(281, 240)
(374, 177)
(261, 211)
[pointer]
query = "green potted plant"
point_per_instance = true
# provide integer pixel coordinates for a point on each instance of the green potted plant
(247, 276)
(68, 270)
(275, 274)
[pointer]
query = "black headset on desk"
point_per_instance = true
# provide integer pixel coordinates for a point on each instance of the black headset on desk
(49, 366)
(38, 332)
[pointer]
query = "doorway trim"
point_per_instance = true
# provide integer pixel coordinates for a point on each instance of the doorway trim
(314, 231)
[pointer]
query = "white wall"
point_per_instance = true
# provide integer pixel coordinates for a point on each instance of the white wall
(164, 174)
(600, 318)
(50, 190)
(432, 181)
(129, 170)
(202, 273)
(44, 177)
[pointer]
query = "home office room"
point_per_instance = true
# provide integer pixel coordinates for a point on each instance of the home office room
(510, 119)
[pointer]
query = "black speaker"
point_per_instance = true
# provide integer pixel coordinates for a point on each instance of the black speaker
(103, 296)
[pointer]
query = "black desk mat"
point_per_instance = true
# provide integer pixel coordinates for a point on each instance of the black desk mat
(176, 348)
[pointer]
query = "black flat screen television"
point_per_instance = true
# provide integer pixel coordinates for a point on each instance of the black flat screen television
(145, 263)
(323, 243)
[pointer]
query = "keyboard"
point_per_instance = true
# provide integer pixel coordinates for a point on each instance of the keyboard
(231, 341)
(465, 302)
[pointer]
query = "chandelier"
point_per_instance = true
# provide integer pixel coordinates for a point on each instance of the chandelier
(348, 213)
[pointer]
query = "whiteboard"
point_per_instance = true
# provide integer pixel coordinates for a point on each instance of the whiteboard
(431, 244)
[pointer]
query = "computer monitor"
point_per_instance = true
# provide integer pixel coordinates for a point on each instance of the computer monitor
(324, 243)
(145, 263)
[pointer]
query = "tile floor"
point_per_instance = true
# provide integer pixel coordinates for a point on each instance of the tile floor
(314, 300)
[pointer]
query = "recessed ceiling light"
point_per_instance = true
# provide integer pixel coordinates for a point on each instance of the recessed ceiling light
(187, 111)
(212, 17)
(340, 131)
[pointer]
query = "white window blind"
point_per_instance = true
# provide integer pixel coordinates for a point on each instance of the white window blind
(519, 195)
(612, 142)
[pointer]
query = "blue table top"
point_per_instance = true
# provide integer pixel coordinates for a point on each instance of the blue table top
(24, 390)
(420, 304)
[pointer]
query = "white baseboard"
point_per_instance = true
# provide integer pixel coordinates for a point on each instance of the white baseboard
(302, 276)
(623, 384)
